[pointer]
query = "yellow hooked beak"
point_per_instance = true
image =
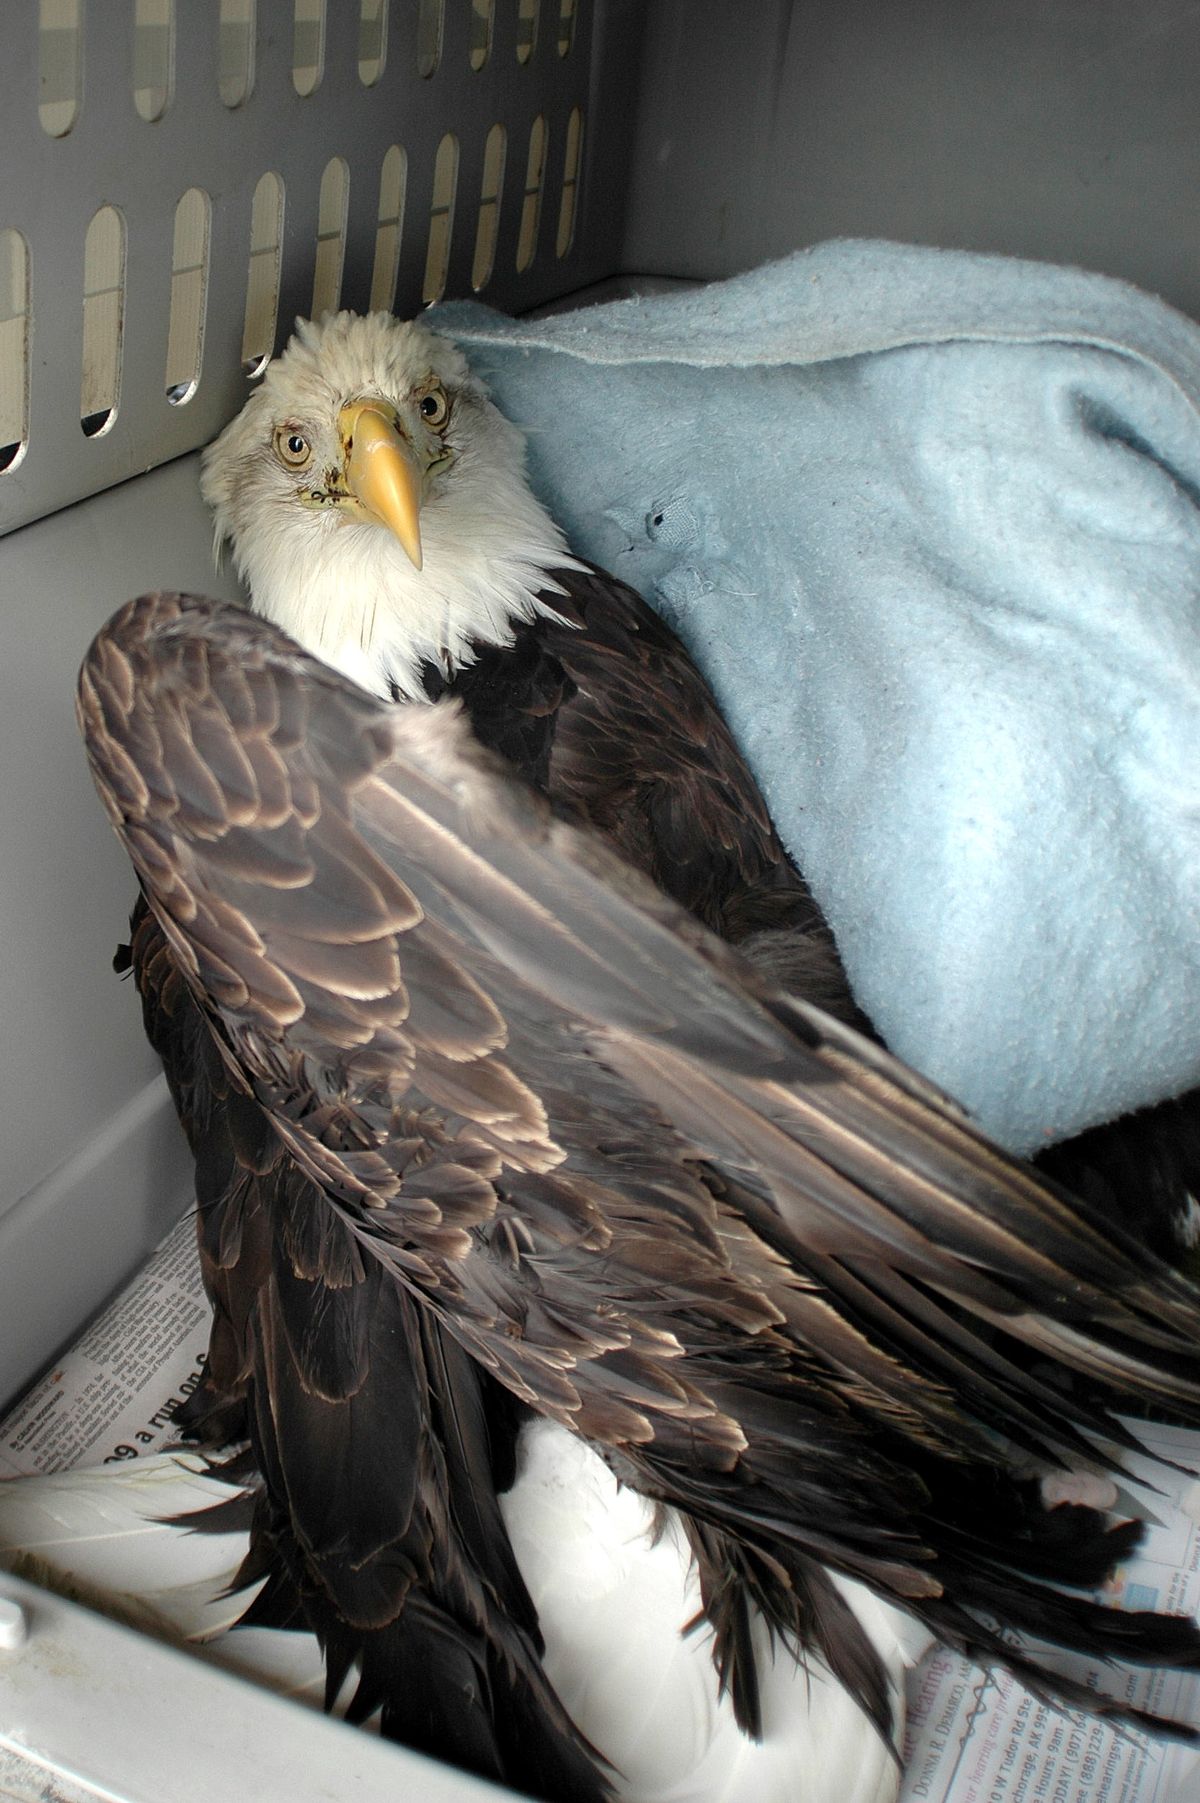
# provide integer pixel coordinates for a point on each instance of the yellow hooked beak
(382, 471)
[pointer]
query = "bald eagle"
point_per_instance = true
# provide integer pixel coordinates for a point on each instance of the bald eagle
(535, 1167)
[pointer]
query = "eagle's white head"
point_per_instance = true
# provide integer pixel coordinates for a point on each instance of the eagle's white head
(377, 505)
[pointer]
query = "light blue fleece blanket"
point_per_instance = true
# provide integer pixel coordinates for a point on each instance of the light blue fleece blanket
(930, 524)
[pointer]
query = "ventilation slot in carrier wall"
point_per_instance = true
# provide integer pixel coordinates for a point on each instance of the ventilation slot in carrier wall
(14, 349)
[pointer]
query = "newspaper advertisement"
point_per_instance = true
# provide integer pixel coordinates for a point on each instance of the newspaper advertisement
(972, 1736)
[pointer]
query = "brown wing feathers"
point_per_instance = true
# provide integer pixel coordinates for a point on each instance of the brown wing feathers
(564, 1129)
(377, 1524)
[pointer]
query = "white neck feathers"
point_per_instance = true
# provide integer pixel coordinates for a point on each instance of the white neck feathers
(349, 594)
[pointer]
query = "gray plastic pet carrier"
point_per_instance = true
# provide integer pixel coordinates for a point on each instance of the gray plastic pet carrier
(180, 180)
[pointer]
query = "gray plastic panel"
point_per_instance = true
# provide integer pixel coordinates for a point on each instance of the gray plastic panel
(87, 1700)
(1063, 132)
(51, 187)
(94, 1168)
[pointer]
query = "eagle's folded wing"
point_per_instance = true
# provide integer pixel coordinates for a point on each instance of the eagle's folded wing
(776, 1274)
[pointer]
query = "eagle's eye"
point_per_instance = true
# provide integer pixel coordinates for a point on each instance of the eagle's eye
(434, 407)
(292, 448)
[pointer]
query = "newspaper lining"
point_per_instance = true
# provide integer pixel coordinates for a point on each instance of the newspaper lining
(112, 1395)
(971, 1737)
